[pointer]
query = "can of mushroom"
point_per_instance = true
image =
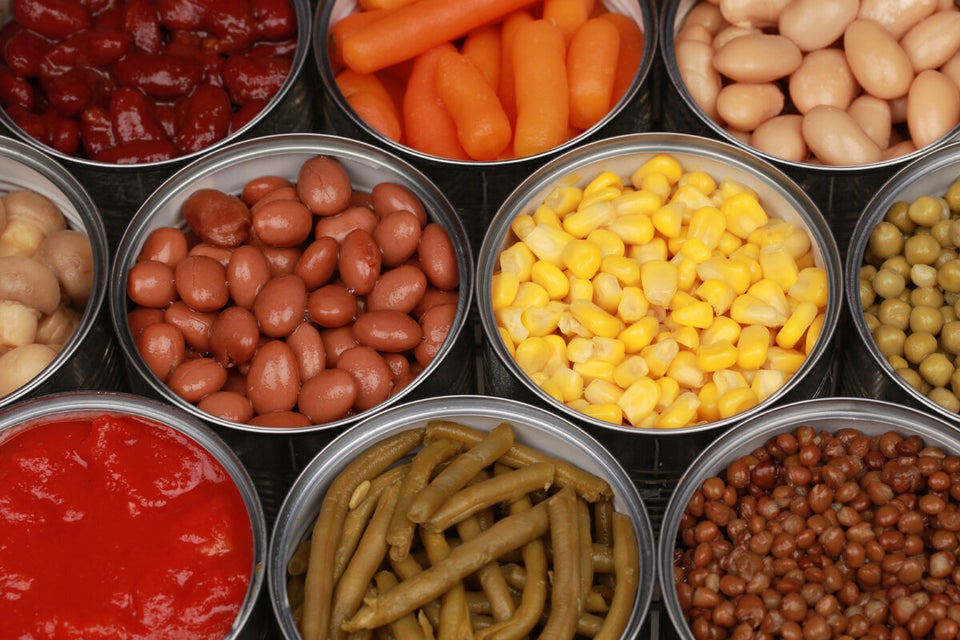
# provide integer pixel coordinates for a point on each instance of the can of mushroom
(54, 334)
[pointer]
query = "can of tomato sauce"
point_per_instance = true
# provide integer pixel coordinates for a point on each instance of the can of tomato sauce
(616, 355)
(142, 491)
(294, 391)
(67, 344)
(476, 187)
(854, 139)
(138, 91)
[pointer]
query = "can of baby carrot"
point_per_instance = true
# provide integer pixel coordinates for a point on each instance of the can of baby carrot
(640, 316)
(404, 117)
(56, 334)
(371, 471)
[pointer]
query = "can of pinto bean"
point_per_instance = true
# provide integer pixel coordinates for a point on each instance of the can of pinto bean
(815, 451)
(816, 113)
(366, 319)
(537, 436)
(900, 300)
(604, 315)
(123, 134)
(56, 332)
(477, 185)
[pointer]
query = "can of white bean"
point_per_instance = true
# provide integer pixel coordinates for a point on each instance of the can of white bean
(476, 187)
(900, 301)
(574, 351)
(56, 333)
(546, 435)
(816, 451)
(815, 112)
(291, 388)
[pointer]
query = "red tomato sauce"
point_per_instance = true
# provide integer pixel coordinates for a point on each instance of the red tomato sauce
(116, 527)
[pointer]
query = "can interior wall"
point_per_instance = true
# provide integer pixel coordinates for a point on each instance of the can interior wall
(840, 191)
(477, 189)
(90, 359)
(655, 458)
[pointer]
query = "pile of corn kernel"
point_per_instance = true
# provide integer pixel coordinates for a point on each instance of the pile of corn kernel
(669, 301)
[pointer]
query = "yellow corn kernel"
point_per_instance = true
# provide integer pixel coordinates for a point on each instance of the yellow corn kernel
(532, 354)
(639, 400)
(626, 270)
(769, 291)
(599, 391)
(686, 274)
(594, 370)
(717, 355)
(743, 213)
(806, 261)
(518, 260)
(736, 401)
(633, 304)
(662, 163)
(508, 319)
(728, 380)
(668, 219)
(753, 266)
(747, 251)
(595, 319)
(629, 370)
(538, 378)
(813, 333)
(656, 183)
(685, 370)
(609, 242)
(767, 382)
(580, 288)
(606, 412)
(606, 195)
(748, 310)
(752, 346)
(639, 201)
(547, 242)
(697, 314)
(797, 243)
(669, 391)
(578, 404)
(633, 228)
(542, 321)
(717, 293)
(785, 360)
(552, 278)
(586, 219)
(707, 225)
(779, 266)
(659, 355)
(579, 349)
(656, 249)
(708, 412)
(531, 294)
(607, 292)
(503, 290)
(568, 383)
(658, 278)
(728, 243)
(640, 333)
(691, 197)
(675, 244)
(695, 249)
(687, 337)
(507, 340)
(729, 187)
(796, 326)
(703, 181)
(546, 215)
(811, 286)
(570, 326)
(608, 349)
(603, 180)
(564, 199)
(522, 225)
(735, 273)
(679, 413)
(768, 235)
(548, 386)
(581, 258)
(722, 328)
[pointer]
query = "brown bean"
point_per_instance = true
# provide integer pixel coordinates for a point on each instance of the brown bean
(438, 257)
(201, 282)
(317, 262)
(151, 284)
(247, 272)
(388, 197)
(217, 218)
(194, 325)
(283, 223)
(196, 378)
(360, 262)
(324, 185)
(281, 305)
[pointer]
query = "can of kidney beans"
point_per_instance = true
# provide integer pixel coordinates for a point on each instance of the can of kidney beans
(826, 427)
(654, 456)
(88, 357)
(118, 186)
(475, 187)
(274, 452)
(182, 468)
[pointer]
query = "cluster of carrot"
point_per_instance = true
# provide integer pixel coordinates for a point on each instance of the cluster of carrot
(484, 80)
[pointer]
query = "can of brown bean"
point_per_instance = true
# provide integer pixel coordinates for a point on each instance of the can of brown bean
(900, 300)
(345, 346)
(625, 347)
(818, 110)
(835, 461)
(542, 434)
(56, 332)
(249, 68)
(476, 185)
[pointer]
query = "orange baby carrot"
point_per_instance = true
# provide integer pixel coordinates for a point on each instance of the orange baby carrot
(567, 15)
(541, 86)
(416, 27)
(631, 52)
(482, 125)
(427, 123)
(591, 68)
(369, 5)
(506, 89)
(482, 46)
(343, 27)
(378, 112)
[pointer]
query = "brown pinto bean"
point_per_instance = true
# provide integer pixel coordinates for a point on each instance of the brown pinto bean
(194, 325)
(317, 262)
(164, 244)
(217, 218)
(247, 272)
(281, 305)
(283, 223)
(360, 262)
(324, 185)
(197, 378)
(201, 282)
(388, 197)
